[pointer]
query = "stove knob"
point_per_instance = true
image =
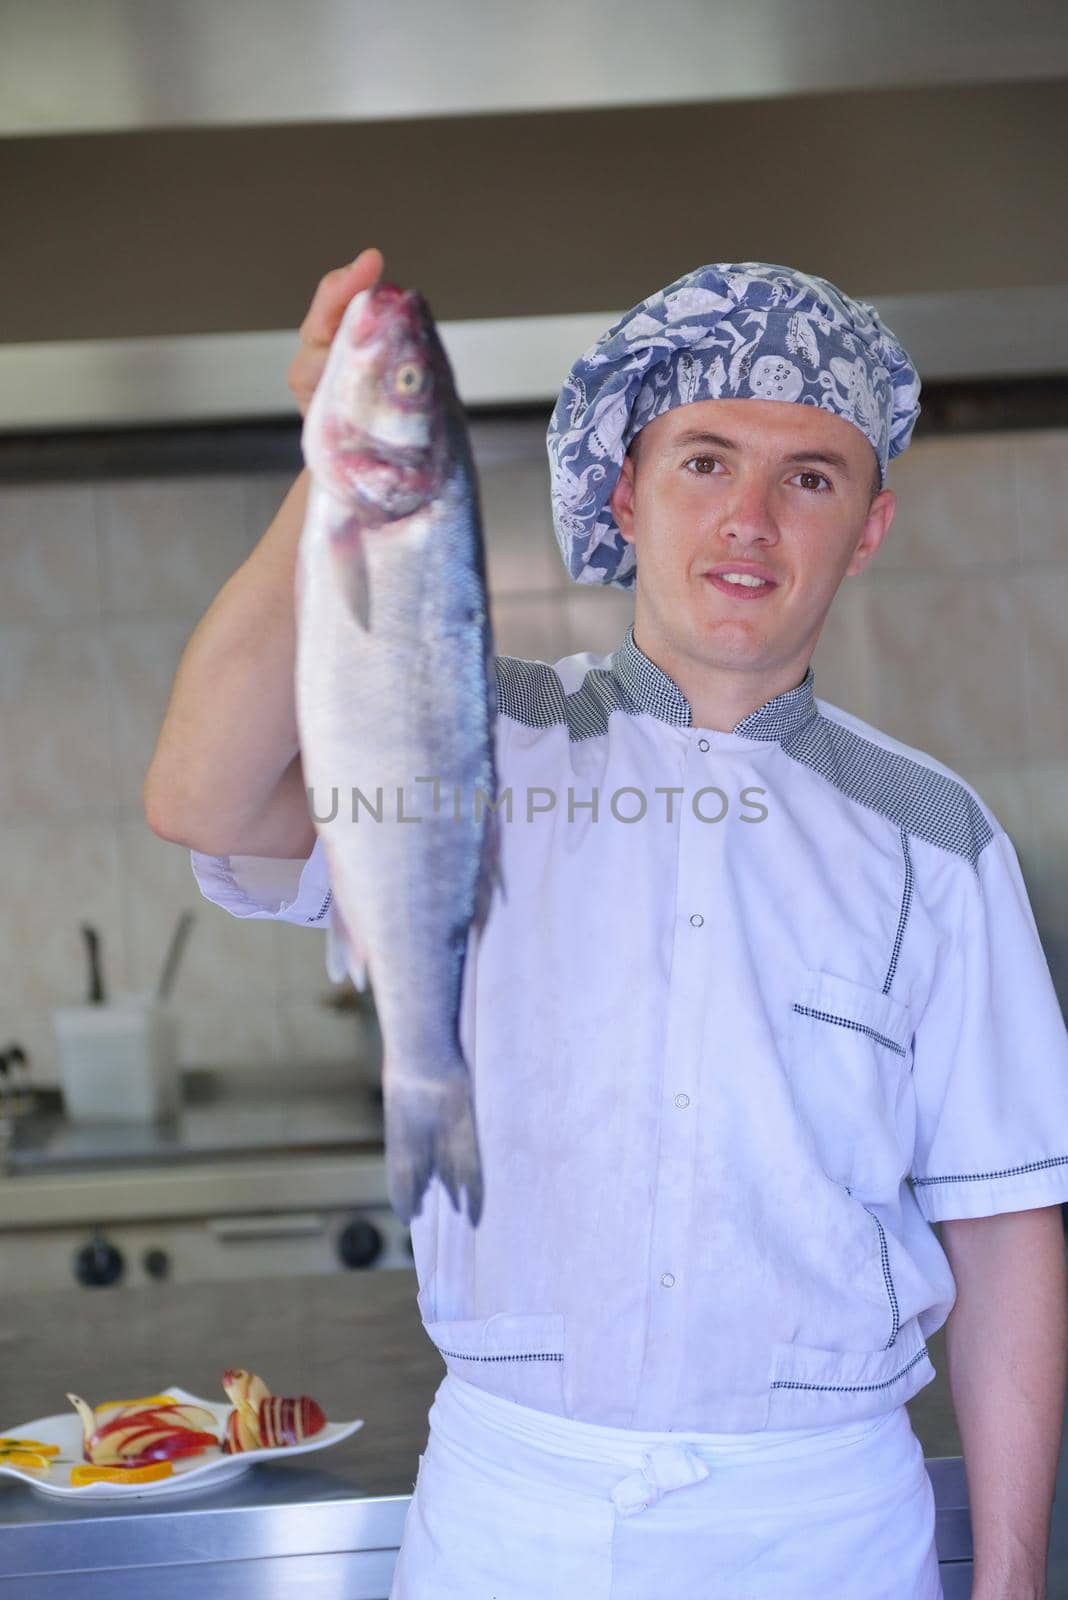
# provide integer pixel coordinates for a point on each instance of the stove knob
(99, 1264)
(360, 1243)
(157, 1263)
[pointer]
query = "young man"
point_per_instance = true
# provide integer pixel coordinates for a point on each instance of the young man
(764, 1002)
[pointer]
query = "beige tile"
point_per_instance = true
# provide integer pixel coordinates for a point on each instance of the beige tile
(300, 963)
(263, 496)
(229, 961)
(1045, 860)
(169, 544)
(842, 662)
(141, 660)
(598, 617)
(48, 553)
(522, 556)
(1044, 639)
(1006, 790)
(319, 1033)
(156, 884)
(947, 678)
(58, 757)
(57, 876)
(956, 504)
(1042, 493)
(536, 629)
(227, 1035)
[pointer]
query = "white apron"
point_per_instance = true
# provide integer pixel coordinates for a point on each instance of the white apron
(516, 1504)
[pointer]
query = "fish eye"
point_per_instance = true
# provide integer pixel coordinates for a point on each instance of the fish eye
(408, 378)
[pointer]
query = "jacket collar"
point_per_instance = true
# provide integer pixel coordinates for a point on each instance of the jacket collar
(650, 689)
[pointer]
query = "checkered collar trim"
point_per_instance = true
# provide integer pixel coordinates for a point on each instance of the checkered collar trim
(649, 689)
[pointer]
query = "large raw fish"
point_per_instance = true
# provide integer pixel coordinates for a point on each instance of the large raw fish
(395, 705)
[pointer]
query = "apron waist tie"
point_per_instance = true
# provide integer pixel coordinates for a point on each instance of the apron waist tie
(664, 1467)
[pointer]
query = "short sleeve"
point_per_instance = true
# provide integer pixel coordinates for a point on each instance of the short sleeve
(990, 1062)
(295, 891)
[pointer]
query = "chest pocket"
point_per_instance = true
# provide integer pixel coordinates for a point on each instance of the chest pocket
(850, 1067)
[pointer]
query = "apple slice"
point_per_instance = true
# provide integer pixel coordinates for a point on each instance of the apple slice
(134, 1435)
(261, 1420)
(285, 1422)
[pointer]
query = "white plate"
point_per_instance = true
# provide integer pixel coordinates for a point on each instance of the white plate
(194, 1472)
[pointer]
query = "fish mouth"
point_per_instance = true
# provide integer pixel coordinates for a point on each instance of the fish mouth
(354, 446)
(383, 482)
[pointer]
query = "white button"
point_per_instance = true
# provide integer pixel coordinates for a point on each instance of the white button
(682, 1101)
(703, 744)
(697, 920)
(667, 1279)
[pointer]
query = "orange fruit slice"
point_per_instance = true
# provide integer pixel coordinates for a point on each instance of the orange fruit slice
(27, 1460)
(85, 1473)
(34, 1445)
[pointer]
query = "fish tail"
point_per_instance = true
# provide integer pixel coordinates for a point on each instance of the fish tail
(428, 1130)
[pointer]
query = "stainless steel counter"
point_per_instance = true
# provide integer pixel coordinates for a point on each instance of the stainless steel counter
(327, 1526)
(220, 1116)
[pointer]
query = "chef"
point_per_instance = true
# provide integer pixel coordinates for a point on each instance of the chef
(763, 1003)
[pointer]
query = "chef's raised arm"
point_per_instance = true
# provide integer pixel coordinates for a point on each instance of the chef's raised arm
(990, 1055)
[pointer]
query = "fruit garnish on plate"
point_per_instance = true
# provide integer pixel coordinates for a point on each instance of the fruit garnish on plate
(29, 1455)
(146, 1401)
(84, 1472)
(261, 1420)
(138, 1433)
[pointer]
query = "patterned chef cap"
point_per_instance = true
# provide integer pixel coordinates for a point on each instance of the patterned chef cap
(742, 330)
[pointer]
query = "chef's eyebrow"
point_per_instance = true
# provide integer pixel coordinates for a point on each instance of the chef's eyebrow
(828, 458)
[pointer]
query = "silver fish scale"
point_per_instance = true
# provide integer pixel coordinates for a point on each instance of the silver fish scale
(410, 698)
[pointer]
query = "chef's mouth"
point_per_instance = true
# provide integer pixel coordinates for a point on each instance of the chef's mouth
(740, 591)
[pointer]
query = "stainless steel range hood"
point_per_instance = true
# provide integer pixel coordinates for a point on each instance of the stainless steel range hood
(183, 171)
(94, 65)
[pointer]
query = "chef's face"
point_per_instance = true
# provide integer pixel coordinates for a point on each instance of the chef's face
(776, 486)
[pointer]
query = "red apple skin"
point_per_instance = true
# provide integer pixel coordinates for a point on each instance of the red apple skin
(177, 1441)
(313, 1417)
(286, 1421)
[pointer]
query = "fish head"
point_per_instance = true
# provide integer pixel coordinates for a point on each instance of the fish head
(375, 436)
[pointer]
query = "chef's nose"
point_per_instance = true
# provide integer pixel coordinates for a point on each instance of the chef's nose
(747, 513)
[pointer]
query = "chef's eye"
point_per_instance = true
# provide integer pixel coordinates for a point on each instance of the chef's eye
(702, 464)
(810, 472)
(408, 378)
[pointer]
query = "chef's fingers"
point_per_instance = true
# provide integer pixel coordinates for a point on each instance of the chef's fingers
(323, 319)
(335, 291)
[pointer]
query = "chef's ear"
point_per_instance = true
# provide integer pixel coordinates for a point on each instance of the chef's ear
(621, 500)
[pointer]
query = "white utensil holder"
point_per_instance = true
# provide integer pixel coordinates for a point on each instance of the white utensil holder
(118, 1062)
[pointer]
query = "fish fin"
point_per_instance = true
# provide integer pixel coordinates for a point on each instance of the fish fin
(341, 963)
(350, 556)
(345, 955)
(432, 1129)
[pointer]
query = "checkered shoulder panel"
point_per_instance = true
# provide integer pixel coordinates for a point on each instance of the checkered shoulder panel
(531, 693)
(923, 802)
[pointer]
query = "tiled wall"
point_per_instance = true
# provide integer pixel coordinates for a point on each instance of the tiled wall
(955, 640)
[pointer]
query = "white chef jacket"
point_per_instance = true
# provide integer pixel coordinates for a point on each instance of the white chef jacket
(738, 1037)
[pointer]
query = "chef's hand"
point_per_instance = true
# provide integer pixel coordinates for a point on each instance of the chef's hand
(324, 316)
